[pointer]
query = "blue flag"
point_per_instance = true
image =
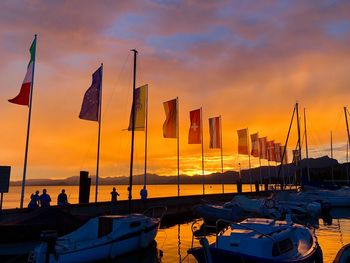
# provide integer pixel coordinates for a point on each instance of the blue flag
(91, 102)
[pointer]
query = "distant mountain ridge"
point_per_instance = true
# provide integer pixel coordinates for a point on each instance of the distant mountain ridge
(323, 163)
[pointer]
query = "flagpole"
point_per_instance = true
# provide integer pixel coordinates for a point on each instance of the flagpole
(203, 183)
(250, 172)
(222, 159)
(132, 130)
(178, 146)
(99, 137)
(28, 129)
(146, 132)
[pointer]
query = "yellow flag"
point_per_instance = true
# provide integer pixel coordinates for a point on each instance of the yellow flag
(140, 108)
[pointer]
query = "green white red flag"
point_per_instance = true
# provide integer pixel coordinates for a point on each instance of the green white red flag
(23, 97)
(215, 132)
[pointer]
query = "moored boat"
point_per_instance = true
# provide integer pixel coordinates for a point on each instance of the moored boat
(103, 237)
(261, 240)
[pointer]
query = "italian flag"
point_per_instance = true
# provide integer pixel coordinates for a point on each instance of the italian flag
(23, 97)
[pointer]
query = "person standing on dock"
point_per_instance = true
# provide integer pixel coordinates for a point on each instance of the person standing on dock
(34, 200)
(45, 199)
(62, 199)
(114, 198)
(144, 194)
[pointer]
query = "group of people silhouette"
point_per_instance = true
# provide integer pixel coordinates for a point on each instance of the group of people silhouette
(44, 199)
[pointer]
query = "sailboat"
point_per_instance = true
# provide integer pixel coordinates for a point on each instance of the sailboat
(102, 237)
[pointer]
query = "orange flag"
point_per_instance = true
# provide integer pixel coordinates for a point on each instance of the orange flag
(263, 147)
(243, 141)
(170, 123)
(255, 144)
(271, 150)
(194, 134)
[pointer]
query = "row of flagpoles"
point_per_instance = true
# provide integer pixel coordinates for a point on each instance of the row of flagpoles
(91, 110)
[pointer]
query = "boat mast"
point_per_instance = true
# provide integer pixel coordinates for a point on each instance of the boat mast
(132, 130)
(299, 142)
(286, 143)
(332, 157)
(306, 147)
(347, 129)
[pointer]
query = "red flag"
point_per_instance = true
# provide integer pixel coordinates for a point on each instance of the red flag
(255, 144)
(263, 147)
(271, 150)
(194, 134)
(215, 133)
(243, 141)
(23, 96)
(170, 123)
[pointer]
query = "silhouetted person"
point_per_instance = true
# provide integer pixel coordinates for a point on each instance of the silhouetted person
(34, 200)
(45, 199)
(62, 198)
(144, 194)
(114, 198)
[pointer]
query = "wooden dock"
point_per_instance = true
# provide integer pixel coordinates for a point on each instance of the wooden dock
(179, 209)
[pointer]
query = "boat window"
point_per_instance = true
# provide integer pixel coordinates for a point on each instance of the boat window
(135, 224)
(282, 247)
(105, 226)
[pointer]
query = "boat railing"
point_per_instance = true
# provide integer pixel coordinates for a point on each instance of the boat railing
(220, 230)
(156, 211)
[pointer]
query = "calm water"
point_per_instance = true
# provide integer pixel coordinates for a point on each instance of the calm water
(173, 242)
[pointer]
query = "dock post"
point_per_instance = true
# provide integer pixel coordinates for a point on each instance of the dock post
(257, 187)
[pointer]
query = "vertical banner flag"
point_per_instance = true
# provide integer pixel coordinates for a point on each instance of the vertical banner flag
(263, 147)
(140, 109)
(194, 134)
(285, 159)
(170, 123)
(91, 102)
(255, 144)
(23, 97)
(278, 153)
(214, 132)
(243, 141)
(271, 150)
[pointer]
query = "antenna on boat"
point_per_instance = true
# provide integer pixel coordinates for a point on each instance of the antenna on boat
(306, 147)
(132, 130)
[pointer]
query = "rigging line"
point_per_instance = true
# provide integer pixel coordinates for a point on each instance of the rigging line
(110, 99)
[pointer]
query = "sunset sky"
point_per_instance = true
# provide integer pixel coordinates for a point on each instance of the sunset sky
(248, 61)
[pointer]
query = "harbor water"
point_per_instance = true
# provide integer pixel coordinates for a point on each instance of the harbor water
(173, 242)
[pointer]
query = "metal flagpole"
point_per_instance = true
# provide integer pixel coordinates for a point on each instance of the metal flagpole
(347, 129)
(203, 182)
(306, 148)
(178, 146)
(28, 129)
(99, 136)
(133, 112)
(250, 172)
(146, 132)
(222, 159)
